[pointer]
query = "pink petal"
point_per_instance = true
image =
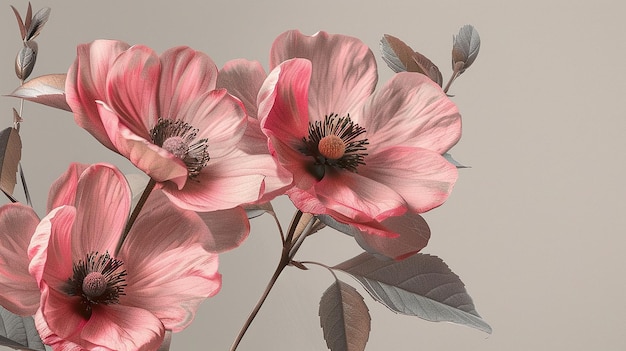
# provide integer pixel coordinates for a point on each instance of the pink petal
(422, 177)
(50, 249)
(102, 207)
(63, 190)
(19, 292)
(296, 162)
(416, 112)
(158, 163)
(185, 75)
(132, 86)
(220, 118)
(224, 183)
(283, 102)
(344, 69)
(51, 339)
(86, 83)
(243, 79)
(229, 228)
(59, 312)
(358, 197)
(169, 273)
(123, 328)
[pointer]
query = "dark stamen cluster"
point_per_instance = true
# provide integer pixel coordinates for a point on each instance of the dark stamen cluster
(197, 156)
(345, 129)
(104, 264)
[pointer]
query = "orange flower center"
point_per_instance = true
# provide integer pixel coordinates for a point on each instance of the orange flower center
(332, 147)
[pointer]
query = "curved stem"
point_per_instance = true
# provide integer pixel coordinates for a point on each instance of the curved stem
(135, 214)
(284, 261)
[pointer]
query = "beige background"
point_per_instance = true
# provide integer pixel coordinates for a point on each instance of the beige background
(535, 228)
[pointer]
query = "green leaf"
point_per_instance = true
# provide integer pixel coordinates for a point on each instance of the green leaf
(19, 332)
(10, 154)
(344, 318)
(420, 285)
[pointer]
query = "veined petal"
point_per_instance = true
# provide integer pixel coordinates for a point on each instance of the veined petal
(243, 79)
(222, 184)
(158, 163)
(19, 292)
(132, 86)
(229, 228)
(344, 69)
(422, 177)
(59, 312)
(283, 102)
(123, 328)
(50, 249)
(358, 197)
(220, 118)
(169, 273)
(63, 190)
(410, 110)
(102, 205)
(185, 75)
(86, 83)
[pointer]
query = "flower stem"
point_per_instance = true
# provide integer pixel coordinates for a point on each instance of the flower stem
(290, 246)
(284, 262)
(135, 214)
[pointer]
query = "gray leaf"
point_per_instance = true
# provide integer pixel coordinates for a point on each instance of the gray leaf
(19, 332)
(344, 318)
(48, 90)
(400, 57)
(448, 157)
(420, 285)
(10, 155)
(39, 19)
(465, 47)
(25, 60)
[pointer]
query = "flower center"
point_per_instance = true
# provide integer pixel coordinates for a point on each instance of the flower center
(336, 142)
(179, 138)
(99, 279)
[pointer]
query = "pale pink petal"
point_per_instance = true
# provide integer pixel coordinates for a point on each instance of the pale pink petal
(229, 228)
(185, 75)
(422, 177)
(132, 86)
(50, 250)
(63, 190)
(355, 196)
(243, 79)
(60, 313)
(222, 184)
(51, 339)
(296, 162)
(219, 117)
(158, 163)
(344, 69)
(102, 206)
(123, 328)
(86, 83)
(19, 292)
(283, 102)
(410, 110)
(173, 284)
(169, 273)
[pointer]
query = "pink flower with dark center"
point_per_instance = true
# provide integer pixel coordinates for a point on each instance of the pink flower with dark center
(163, 113)
(92, 297)
(358, 155)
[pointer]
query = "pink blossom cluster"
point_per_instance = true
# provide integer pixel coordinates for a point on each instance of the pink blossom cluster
(213, 143)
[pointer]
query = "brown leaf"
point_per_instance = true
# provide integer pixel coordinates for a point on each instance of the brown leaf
(38, 21)
(344, 318)
(401, 57)
(48, 90)
(10, 155)
(20, 23)
(29, 17)
(25, 60)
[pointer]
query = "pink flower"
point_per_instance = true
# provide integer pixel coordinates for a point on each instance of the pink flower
(164, 114)
(92, 297)
(356, 155)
